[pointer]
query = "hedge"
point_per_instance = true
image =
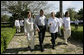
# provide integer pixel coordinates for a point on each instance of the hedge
(6, 36)
(76, 34)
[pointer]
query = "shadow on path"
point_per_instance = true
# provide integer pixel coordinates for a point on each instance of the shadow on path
(37, 48)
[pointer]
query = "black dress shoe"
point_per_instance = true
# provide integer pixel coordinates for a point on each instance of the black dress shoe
(42, 50)
(31, 50)
(28, 47)
(53, 48)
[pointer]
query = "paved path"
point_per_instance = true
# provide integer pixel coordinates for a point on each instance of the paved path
(19, 45)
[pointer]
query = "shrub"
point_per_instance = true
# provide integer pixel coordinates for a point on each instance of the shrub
(4, 18)
(76, 34)
(6, 36)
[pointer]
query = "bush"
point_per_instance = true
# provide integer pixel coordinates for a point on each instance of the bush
(76, 34)
(6, 36)
(4, 18)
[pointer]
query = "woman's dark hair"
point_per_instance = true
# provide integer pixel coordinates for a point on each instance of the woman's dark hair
(41, 10)
(28, 12)
(59, 14)
(67, 12)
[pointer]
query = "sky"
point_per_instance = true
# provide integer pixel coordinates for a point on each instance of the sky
(66, 4)
(54, 6)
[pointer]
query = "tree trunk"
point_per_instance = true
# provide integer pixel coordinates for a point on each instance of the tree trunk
(60, 3)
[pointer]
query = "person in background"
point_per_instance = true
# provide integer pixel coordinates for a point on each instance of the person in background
(76, 24)
(17, 25)
(22, 24)
(60, 23)
(66, 26)
(53, 24)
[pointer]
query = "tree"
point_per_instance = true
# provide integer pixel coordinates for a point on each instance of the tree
(72, 13)
(57, 14)
(80, 13)
(4, 18)
(61, 8)
(20, 7)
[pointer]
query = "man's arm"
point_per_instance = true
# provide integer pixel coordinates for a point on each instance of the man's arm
(49, 23)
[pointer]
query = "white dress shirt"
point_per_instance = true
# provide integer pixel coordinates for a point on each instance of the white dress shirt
(54, 26)
(17, 23)
(40, 20)
(66, 22)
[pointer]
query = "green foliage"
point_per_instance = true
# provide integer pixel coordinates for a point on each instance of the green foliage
(24, 13)
(11, 21)
(48, 16)
(6, 36)
(73, 19)
(75, 15)
(57, 14)
(80, 13)
(77, 34)
(72, 12)
(4, 18)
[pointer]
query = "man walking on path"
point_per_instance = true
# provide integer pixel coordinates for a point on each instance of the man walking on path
(17, 25)
(41, 24)
(53, 24)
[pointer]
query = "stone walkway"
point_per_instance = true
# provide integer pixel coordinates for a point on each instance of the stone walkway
(19, 45)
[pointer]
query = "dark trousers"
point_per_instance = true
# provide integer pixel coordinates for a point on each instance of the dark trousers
(41, 35)
(53, 36)
(22, 28)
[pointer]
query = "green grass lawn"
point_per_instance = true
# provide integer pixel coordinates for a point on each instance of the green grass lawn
(5, 25)
(6, 36)
(77, 34)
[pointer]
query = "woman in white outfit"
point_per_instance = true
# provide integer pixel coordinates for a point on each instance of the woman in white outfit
(29, 30)
(67, 27)
(17, 25)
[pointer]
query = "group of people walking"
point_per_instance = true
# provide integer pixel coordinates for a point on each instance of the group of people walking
(19, 24)
(40, 23)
